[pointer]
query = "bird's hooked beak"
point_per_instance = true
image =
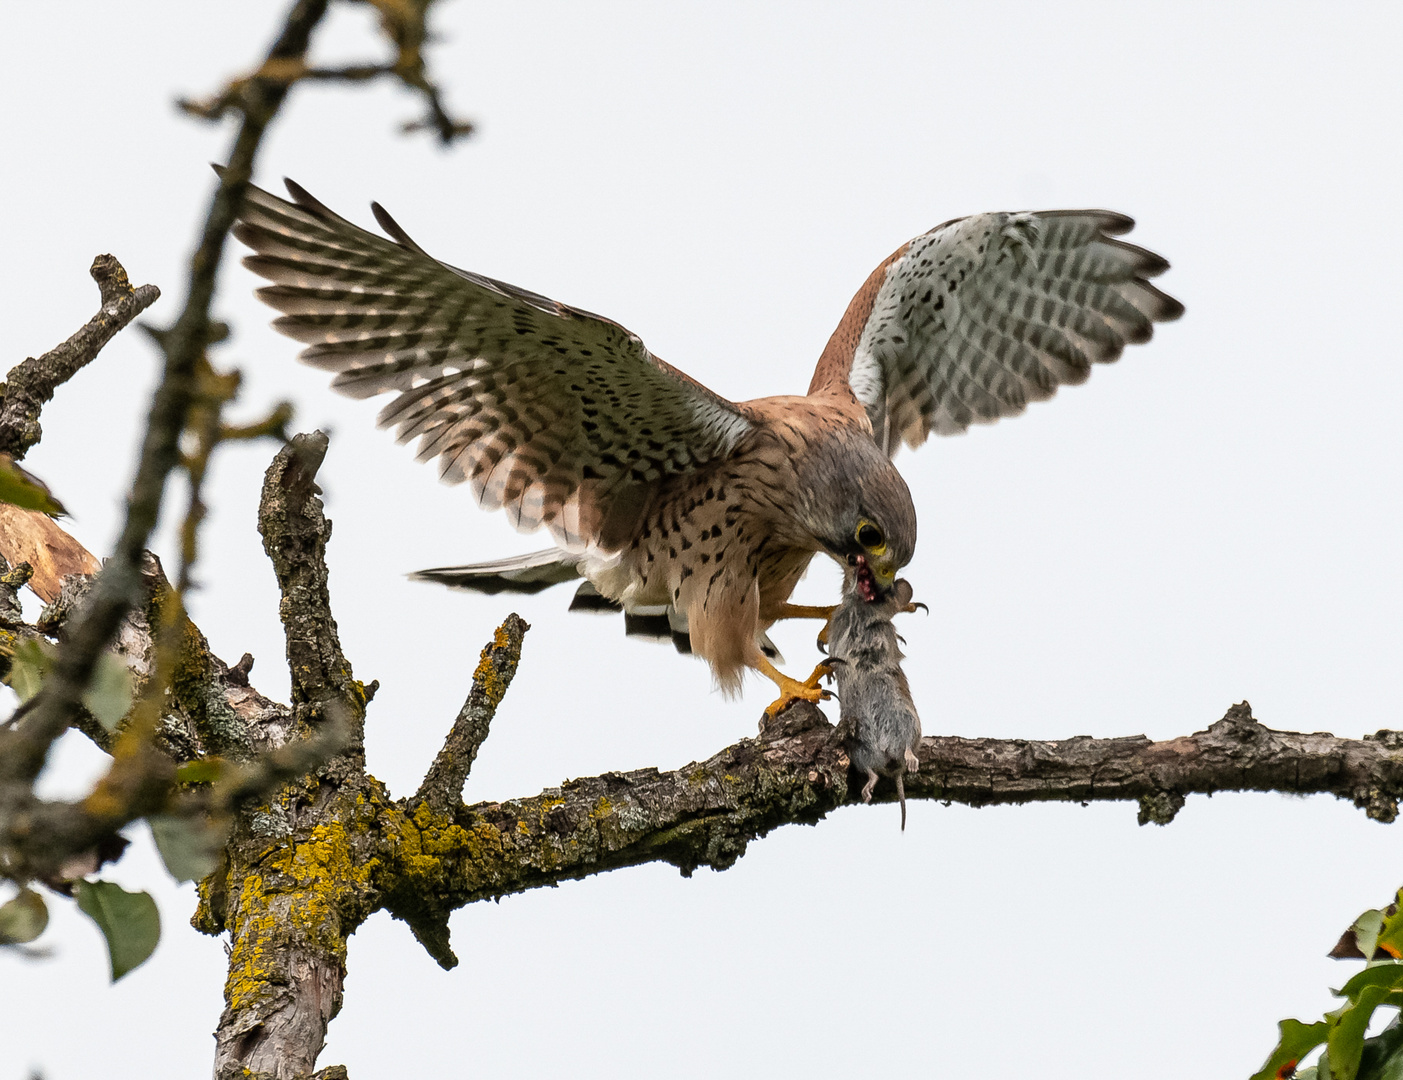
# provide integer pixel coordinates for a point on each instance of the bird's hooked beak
(875, 577)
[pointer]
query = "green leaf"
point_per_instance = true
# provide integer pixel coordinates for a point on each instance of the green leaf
(129, 921)
(21, 488)
(1391, 933)
(1387, 974)
(200, 771)
(1383, 1055)
(109, 696)
(23, 918)
(29, 667)
(188, 847)
(1297, 1040)
(1347, 1027)
(1366, 931)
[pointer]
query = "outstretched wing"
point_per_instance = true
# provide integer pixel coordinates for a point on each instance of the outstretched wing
(561, 417)
(984, 314)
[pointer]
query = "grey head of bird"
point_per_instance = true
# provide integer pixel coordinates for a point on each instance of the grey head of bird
(858, 507)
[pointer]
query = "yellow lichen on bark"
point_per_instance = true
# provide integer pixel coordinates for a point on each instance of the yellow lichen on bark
(485, 675)
(297, 900)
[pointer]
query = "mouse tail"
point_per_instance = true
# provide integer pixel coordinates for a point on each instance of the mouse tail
(901, 795)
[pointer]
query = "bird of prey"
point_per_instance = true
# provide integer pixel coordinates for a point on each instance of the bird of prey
(667, 498)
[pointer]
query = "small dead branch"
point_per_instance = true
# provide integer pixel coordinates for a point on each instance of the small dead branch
(442, 788)
(30, 385)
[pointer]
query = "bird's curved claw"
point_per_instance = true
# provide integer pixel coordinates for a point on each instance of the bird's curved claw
(911, 607)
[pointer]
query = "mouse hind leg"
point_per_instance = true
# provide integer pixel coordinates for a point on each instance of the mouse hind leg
(867, 787)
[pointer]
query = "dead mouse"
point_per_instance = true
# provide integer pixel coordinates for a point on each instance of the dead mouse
(883, 729)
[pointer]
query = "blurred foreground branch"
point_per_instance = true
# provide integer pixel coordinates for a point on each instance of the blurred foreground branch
(405, 26)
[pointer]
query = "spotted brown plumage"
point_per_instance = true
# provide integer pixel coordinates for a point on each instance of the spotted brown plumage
(671, 501)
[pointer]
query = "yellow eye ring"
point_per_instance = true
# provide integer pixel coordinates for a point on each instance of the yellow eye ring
(870, 537)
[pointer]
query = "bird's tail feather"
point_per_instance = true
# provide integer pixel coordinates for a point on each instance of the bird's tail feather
(542, 569)
(516, 574)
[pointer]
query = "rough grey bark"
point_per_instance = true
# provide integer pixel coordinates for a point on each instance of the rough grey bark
(289, 917)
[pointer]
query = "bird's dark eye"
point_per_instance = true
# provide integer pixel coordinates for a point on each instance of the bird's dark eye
(868, 535)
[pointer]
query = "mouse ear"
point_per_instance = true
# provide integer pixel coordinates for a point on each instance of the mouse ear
(903, 592)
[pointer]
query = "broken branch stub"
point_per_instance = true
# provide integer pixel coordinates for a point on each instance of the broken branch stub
(443, 784)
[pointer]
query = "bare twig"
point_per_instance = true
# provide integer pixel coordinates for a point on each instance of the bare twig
(30, 385)
(442, 788)
(206, 432)
(404, 22)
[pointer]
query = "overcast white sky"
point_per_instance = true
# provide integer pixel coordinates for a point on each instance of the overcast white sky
(1214, 518)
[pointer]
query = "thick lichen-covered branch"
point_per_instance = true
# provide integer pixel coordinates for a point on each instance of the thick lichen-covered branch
(307, 867)
(197, 708)
(30, 385)
(293, 887)
(706, 813)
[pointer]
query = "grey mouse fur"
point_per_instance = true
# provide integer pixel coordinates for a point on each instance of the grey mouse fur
(883, 729)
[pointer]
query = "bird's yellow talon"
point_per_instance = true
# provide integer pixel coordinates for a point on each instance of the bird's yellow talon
(791, 690)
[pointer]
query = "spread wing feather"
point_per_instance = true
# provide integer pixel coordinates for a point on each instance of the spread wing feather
(557, 415)
(982, 315)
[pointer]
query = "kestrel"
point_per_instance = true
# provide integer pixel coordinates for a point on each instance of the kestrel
(667, 498)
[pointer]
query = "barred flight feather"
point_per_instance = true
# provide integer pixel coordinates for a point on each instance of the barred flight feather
(549, 412)
(982, 315)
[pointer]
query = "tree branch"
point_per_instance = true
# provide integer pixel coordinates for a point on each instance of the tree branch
(30, 385)
(288, 894)
(705, 814)
(295, 533)
(442, 788)
(405, 24)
